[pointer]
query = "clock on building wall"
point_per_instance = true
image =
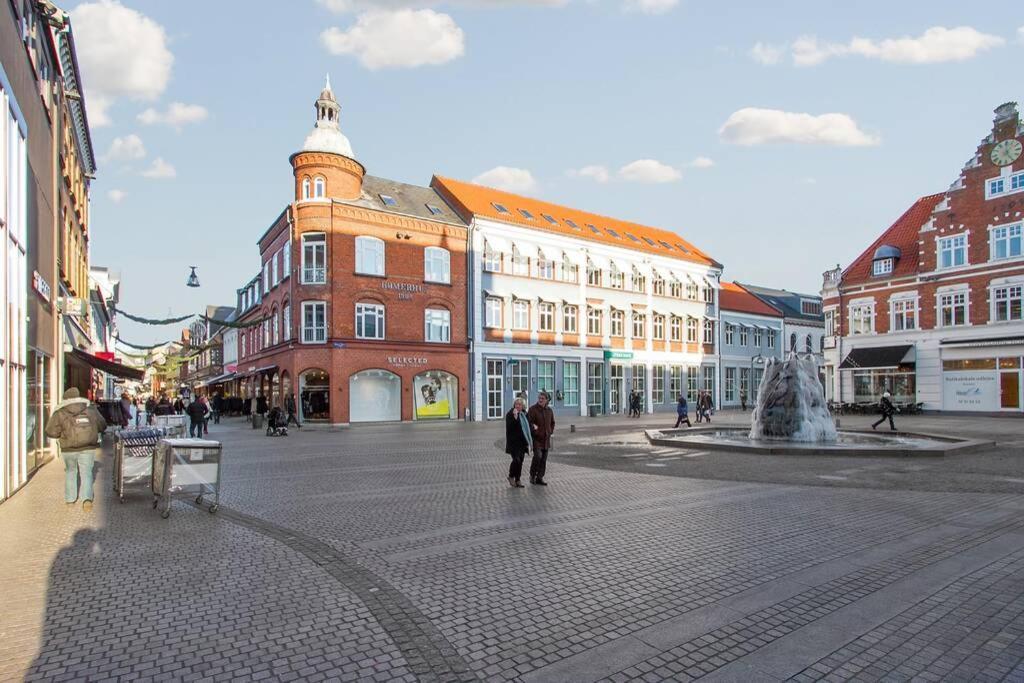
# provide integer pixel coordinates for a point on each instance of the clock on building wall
(1006, 152)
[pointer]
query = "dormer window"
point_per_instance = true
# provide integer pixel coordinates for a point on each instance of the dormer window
(526, 214)
(500, 208)
(882, 266)
(884, 260)
(388, 200)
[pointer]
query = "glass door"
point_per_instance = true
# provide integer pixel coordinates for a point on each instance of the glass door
(495, 389)
(618, 387)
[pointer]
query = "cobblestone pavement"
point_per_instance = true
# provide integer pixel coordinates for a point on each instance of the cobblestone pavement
(395, 553)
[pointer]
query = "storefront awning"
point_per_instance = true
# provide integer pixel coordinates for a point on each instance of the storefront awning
(256, 371)
(109, 367)
(990, 341)
(879, 357)
(222, 378)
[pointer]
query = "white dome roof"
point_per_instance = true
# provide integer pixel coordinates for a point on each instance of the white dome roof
(328, 139)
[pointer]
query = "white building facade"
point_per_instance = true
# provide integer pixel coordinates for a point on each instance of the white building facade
(576, 307)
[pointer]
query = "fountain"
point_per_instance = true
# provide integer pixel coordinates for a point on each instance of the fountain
(791, 418)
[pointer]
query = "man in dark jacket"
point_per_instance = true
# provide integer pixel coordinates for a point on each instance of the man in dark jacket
(196, 412)
(164, 407)
(126, 410)
(289, 407)
(888, 409)
(150, 409)
(542, 426)
(77, 426)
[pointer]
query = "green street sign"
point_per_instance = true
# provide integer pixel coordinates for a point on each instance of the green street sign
(618, 355)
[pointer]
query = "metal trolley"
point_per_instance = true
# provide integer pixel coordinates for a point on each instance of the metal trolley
(174, 424)
(186, 467)
(133, 457)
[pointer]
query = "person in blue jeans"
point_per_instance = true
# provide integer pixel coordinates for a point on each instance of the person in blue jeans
(77, 425)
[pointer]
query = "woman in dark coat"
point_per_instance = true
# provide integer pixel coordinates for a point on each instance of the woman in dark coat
(517, 441)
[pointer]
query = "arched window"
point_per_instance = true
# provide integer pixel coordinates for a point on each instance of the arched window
(286, 321)
(314, 395)
(319, 187)
(435, 396)
(305, 188)
(369, 256)
(437, 265)
(276, 326)
(809, 344)
(792, 341)
(375, 396)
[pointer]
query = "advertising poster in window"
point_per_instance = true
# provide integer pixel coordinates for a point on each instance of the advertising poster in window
(435, 395)
(975, 390)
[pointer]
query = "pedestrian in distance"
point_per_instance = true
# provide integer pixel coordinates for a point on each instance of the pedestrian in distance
(708, 405)
(150, 409)
(164, 407)
(125, 404)
(77, 426)
(218, 408)
(517, 440)
(743, 398)
(196, 412)
(682, 412)
(289, 407)
(179, 406)
(542, 426)
(700, 407)
(888, 409)
(209, 412)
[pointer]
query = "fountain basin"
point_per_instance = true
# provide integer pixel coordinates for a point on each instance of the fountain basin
(847, 443)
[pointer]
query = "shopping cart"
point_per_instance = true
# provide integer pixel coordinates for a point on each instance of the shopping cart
(186, 467)
(133, 457)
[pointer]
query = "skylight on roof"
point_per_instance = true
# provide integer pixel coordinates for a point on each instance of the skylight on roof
(612, 233)
(550, 219)
(593, 228)
(568, 221)
(650, 241)
(500, 208)
(632, 237)
(682, 248)
(434, 210)
(665, 244)
(526, 214)
(388, 200)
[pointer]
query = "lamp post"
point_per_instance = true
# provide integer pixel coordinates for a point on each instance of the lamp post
(760, 360)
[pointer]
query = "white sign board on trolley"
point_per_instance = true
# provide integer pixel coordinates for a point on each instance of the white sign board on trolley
(971, 390)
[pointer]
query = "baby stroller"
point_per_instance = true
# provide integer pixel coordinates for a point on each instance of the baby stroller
(277, 423)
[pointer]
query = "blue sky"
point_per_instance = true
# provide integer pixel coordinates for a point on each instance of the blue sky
(546, 89)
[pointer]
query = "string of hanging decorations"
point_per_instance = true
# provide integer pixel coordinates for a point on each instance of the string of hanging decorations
(171, 321)
(141, 347)
(152, 321)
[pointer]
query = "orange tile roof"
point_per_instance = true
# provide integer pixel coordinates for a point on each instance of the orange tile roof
(477, 200)
(902, 234)
(735, 298)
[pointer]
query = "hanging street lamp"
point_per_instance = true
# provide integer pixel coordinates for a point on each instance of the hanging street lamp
(193, 279)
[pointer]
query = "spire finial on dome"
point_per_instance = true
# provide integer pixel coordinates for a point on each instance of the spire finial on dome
(328, 86)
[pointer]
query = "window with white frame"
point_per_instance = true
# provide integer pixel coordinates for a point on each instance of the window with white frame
(273, 271)
(275, 322)
(692, 383)
(520, 315)
(882, 266)
(314, 322)
(546, 376)
(593, 321)
(744, 335)
(730, 384)
(593, 274)
(1006, 241)
(616, 278)
(952, 251)
(437, 265)
(709, 295)
(771, 338)
(639, 326)
(286, 321)
(1007, 303)
(757, 337)
(319, 187)
(658, 384)
(492, 311)
(314, 258)
(658, 286)
(570, 383)
(520, 263)
(995, 187)
(546, 316)
(639, 282)
(830, 322)
(675, 329)
(369, 256)
(862, 318)
(709, 331)
(305, 188)
(903, 314)
(266, 276)
(243, 351)
(437, 325)
(730, 333)
(570, 271)
(691, 330)
(618, 323)
(286, 260)
(692, 290)
(675, 289)
(492, 259)
(675, 382)
(659, 327)
(569, 319)
(266, 331)
(545, 268)
(953, 309)
(369, 321)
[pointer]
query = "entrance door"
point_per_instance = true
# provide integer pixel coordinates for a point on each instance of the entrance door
(519, 379)
(1009, 390)
(495, 389)
(617, 387)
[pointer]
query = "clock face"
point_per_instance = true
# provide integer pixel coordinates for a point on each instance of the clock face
(1006, 152)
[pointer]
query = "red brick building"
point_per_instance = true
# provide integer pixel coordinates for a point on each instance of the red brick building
(931, 311)
(361, 295)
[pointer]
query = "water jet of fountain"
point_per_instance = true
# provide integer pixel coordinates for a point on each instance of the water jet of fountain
(791, 403)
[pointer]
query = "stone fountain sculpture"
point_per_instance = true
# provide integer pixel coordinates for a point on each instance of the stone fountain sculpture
(791, 403)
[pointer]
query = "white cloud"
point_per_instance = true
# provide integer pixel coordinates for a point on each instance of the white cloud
(127, 148)
(116, 195)
(122, 53)
(349, 6)
(753, 126)
(649, 6)
(936, 44)
(596, 173)
(649, 171)
(506, 178)
(178, 114)
(766, 54)
(808, 180)
(702, 162)
(401, 38)
(160, 169)
(1020, 34)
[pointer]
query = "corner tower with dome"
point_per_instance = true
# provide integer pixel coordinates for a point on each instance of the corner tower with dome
(358, 310)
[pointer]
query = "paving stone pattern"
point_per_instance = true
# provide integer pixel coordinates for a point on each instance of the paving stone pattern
(396, 553)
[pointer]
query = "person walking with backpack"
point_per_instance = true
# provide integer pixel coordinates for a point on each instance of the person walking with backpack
(682, 412)
(77, 425)
(887, 409)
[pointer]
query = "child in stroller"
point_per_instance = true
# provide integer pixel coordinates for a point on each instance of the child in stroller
(277, 423)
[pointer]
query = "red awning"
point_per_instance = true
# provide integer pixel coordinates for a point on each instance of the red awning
(109, 367)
